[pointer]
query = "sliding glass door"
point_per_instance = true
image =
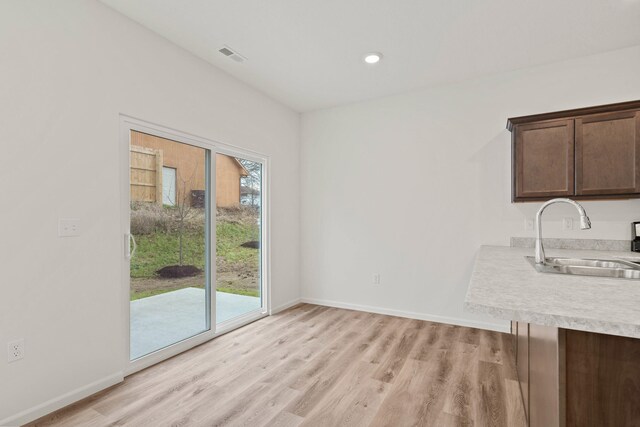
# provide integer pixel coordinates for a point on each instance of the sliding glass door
(238, 237)
(195, 228)
(169, 265)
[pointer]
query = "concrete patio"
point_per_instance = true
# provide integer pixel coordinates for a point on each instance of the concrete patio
(165, 319)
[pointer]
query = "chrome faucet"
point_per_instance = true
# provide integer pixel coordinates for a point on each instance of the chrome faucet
(585, 224)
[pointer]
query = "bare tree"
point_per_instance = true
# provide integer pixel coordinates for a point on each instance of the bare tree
(251, 182)
(183, 210)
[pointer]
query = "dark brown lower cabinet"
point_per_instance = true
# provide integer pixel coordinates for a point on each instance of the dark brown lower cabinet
(578, 379)
(603, 380)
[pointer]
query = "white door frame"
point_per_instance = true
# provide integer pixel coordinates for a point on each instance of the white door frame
(128, 124)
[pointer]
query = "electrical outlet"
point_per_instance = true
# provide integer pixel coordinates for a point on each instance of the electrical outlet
(69, 227)
(567, 223)
(15, 350)
(376, 278)
(528, 224)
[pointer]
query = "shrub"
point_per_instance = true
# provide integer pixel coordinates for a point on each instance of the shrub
(240, 214)
(149, 218)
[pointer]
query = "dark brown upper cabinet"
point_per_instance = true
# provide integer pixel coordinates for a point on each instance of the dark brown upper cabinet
(587, 153)
(544, 159)
(607, 148)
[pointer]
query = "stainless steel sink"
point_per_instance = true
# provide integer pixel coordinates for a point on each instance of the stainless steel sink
(615, 268)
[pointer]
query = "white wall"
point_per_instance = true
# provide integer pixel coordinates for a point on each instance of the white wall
(410, 186)
(67, 69)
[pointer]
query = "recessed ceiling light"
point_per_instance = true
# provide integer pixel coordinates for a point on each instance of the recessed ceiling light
(372, 58)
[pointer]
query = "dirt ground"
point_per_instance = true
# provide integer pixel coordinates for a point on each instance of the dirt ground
(231, 277)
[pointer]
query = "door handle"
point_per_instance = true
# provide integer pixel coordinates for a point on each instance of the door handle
(129, 250)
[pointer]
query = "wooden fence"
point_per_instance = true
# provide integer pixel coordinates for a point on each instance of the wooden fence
(146, 175)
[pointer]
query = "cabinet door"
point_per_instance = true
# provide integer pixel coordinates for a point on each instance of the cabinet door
(603, 380)
(608, 153)
(544, 159)
(522, 362)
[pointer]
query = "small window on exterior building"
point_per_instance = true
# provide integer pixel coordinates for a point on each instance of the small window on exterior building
(168, 186)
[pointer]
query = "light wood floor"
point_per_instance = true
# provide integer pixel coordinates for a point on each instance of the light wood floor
(320, 366)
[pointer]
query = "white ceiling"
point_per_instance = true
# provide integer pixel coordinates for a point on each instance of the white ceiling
(308, 54)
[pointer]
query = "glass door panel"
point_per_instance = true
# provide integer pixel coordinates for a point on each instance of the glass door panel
(238, 237)
(169, 269)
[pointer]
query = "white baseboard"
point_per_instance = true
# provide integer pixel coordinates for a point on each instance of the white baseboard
(60, 402)
(499, 327)
(284, 306)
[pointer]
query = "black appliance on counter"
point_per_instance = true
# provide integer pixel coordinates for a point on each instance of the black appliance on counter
(635, 235)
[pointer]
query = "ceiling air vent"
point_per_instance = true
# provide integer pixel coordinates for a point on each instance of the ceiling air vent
(230, 53)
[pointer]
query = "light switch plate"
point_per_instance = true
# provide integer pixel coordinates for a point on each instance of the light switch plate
(68, 227)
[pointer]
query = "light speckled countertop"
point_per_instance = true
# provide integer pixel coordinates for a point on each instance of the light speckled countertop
(504, 285)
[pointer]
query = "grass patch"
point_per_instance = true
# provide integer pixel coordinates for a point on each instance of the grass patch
(230, 236)
(247, 292)
(146, 294)
(161, 249)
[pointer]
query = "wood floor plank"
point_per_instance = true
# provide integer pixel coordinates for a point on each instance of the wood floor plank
(87, 417)
(283, 419)
(491, 348)
(448, 420)
(322, 361)
(426, 342)
(257, 402)
(330, 374)
(513, 403)
(320, 366)
(352, 401)
(459, 395)
(383, 337)
(398, 354)
(416, 395)
(507, 348)
(491, 401)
